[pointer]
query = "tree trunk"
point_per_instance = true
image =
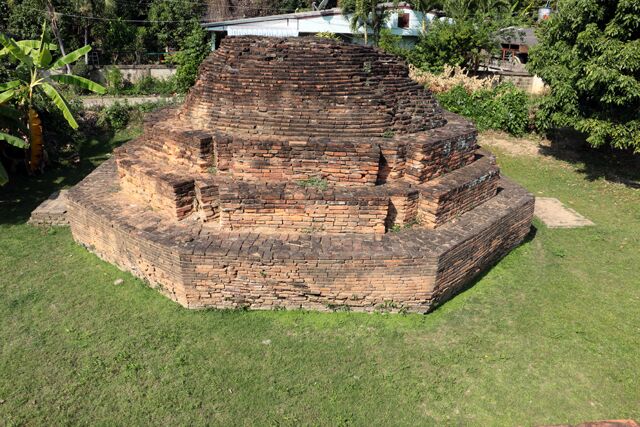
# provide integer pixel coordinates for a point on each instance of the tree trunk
(37, 144)
(86, 42)
(56, 31)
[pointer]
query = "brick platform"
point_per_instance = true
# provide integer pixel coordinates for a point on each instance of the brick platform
(302, 173)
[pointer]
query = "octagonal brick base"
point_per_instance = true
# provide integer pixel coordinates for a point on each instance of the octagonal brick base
(198, 266)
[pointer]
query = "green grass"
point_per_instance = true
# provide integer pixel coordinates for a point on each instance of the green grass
(549, 335)
(314, 182)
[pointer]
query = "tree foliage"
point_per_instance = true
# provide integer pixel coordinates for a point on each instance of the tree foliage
(193, 49)
(36, 58)
(457, 42)
(366, 17)
(173, 21)
(502, 108)
(589, 54)
(466, 34)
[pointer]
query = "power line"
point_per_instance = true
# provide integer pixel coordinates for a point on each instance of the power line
(151, 21)
(205, 3)
(99, 18)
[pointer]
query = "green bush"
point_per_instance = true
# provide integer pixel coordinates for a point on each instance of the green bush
(502, 108)
(193, 50)
(115, 116)
(461, 42)
(115, 80)
(392, 44)
(80, 69)
(148, 85)
(589, 54)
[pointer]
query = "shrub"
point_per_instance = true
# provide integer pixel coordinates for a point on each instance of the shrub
(115, 116)
(115, 81)
(589, 54)
(502, 108)
(450, 78)
(463, 42)
(392, 44)
(193, 50)
(148, 85)
(80, 69)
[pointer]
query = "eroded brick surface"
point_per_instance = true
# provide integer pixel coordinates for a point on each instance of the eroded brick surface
(302, 173)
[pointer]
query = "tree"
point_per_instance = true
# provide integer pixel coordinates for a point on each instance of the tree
(368, 15)
(23, 19)
(34, 56)
(467, 34)
(424, 7)
(173, 21)
(10, 125)
(89, 8)
(589, 54)
(193, 50)
(461, 42)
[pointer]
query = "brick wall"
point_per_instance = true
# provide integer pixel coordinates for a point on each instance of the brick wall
(457, 192)
(342, 162)
(285, 87)
(396, 271)
(302, 173)
(169, 193)
(293, 207)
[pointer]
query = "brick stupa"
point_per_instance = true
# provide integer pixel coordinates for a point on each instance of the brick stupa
(302, 173)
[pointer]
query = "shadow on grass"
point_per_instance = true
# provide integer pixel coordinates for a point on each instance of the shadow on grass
(24, 193)
(613, 165)
(483, 272)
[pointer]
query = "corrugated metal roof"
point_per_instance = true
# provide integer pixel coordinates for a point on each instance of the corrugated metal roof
(297, 15)
(258, 31)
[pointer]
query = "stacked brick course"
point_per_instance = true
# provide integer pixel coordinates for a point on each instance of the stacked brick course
(302, 173)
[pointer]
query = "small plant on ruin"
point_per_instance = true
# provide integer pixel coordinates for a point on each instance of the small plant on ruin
(314, 182)
(212, 170)
(328, 35)
(388, 307)
(338, 307)
(388, 133)
(397, 227)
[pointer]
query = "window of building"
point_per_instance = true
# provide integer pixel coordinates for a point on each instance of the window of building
(403, 20)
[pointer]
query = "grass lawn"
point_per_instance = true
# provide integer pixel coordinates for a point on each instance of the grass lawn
(549, 335)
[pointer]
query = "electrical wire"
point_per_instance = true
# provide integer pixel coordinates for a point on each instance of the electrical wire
(144, 21)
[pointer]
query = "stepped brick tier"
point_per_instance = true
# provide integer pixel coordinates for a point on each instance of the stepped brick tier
(302, 173)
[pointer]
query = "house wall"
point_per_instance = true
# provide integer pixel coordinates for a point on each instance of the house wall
(336, 23)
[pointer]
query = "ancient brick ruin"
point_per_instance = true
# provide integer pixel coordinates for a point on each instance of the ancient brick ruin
(302, 173)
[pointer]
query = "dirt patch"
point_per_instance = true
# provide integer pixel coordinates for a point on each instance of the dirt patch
(556, 215)
(517, 146)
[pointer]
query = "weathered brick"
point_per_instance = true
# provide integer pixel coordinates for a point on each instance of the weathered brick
(302, 173)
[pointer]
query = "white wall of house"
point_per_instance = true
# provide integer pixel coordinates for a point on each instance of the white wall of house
(332, 20)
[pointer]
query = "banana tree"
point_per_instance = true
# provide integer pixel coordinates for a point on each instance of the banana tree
(36, 56)
(10, 121)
